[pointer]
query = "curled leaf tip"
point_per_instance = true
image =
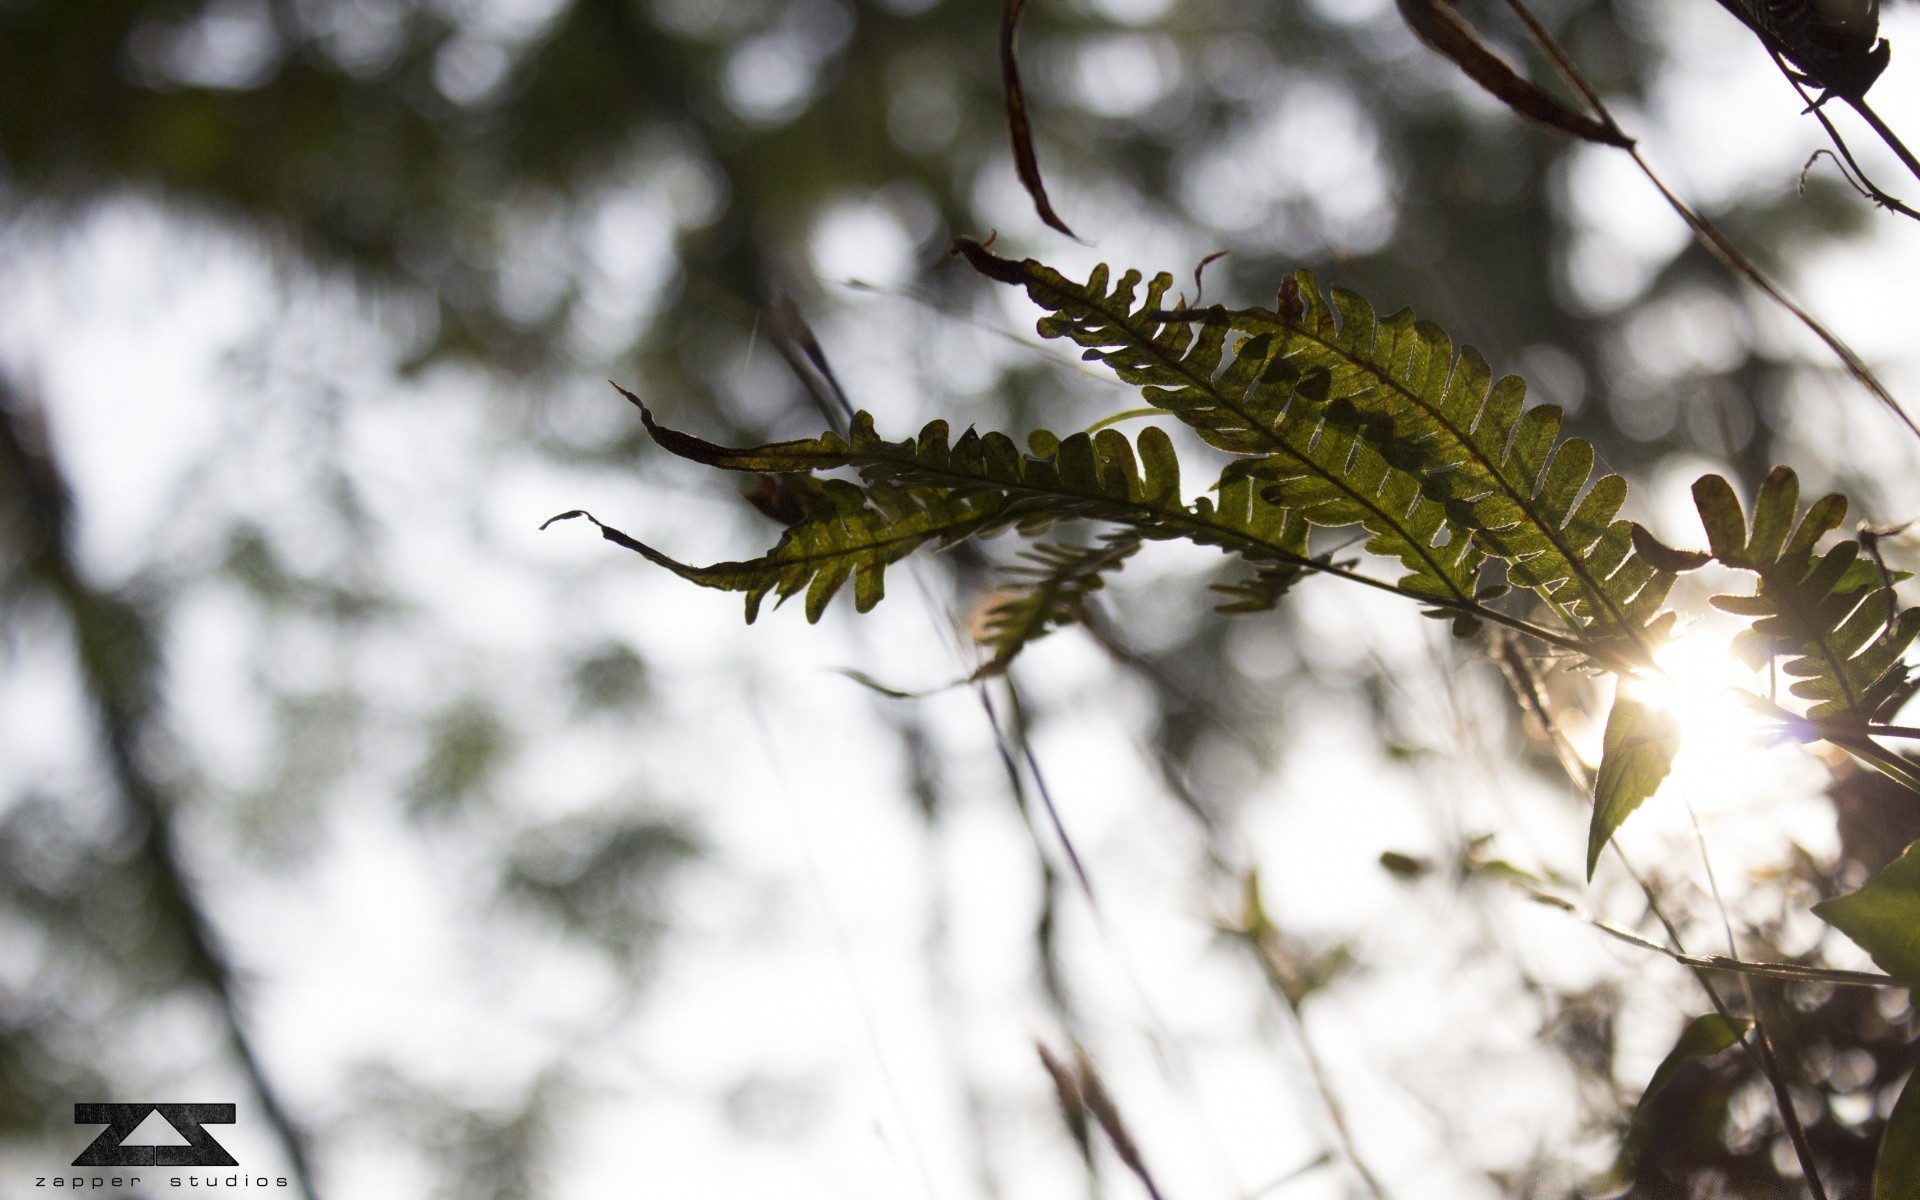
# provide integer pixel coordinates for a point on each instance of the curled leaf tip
(985, 261)
(631, 398)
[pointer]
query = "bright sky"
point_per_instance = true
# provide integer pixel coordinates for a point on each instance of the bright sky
(795, 1042)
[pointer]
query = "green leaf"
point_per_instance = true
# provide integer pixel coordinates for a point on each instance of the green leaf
(1636, 754)
(1896, 1169)
(1704, 1037)
(1832, 617)
(934, 489)
(1404, 867)
(1663, 556)
(1883, 918)
(1352, 419)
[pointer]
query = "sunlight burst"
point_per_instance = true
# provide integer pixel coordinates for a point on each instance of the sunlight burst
(1723, 738)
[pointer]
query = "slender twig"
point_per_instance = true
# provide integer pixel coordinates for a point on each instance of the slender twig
(1762, 1041)
(1895, 766)
(1778, 49)
(1013, 750)
(1793, 972)
(1265, 939)
(1758, 1049)
(1859, 178)
(1859, 104)
(1856, 740)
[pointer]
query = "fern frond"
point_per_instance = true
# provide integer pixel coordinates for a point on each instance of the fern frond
(1050, 590)
(1499, 468)
(1246, 403)
(930, 488)
(1356, 420)
(1831, 617)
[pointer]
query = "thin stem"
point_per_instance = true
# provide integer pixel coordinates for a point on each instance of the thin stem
(1129, 415)
(1729, 254)
(1265, 938)
(1859, 104)
(1888, 763)
(1792, 972)
(1859, 178)
(1762, 1042)
(1782, 1098)
(1856, 740)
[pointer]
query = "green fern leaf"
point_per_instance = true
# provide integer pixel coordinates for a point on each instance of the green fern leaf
(1356, 420)
(1252, 403)
(1830, 617)
(856, 535)
(1499, 468)
(933, 489)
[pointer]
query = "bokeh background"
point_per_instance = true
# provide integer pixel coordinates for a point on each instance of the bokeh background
(476, 861)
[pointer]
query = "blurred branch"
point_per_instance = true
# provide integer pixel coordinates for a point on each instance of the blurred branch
(114, 655)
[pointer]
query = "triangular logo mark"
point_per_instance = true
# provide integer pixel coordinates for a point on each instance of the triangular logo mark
(156, 1130)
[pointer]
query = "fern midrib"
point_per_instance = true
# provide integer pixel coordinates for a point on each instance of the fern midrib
(1139, 515)
(1206, 385)
(850, 551)
(1594, 586)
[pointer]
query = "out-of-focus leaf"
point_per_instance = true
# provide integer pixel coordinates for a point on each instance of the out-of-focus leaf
(466, 746)
(1704, 1037)
(604, 881)
(1636, 755)
(1404, 866)
(1896, 1169)
(1883, 917)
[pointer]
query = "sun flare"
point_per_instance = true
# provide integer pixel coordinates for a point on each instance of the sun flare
(1708, 692)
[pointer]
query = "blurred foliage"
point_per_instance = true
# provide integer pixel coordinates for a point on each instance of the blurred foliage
(558, 187)
(599, 880)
